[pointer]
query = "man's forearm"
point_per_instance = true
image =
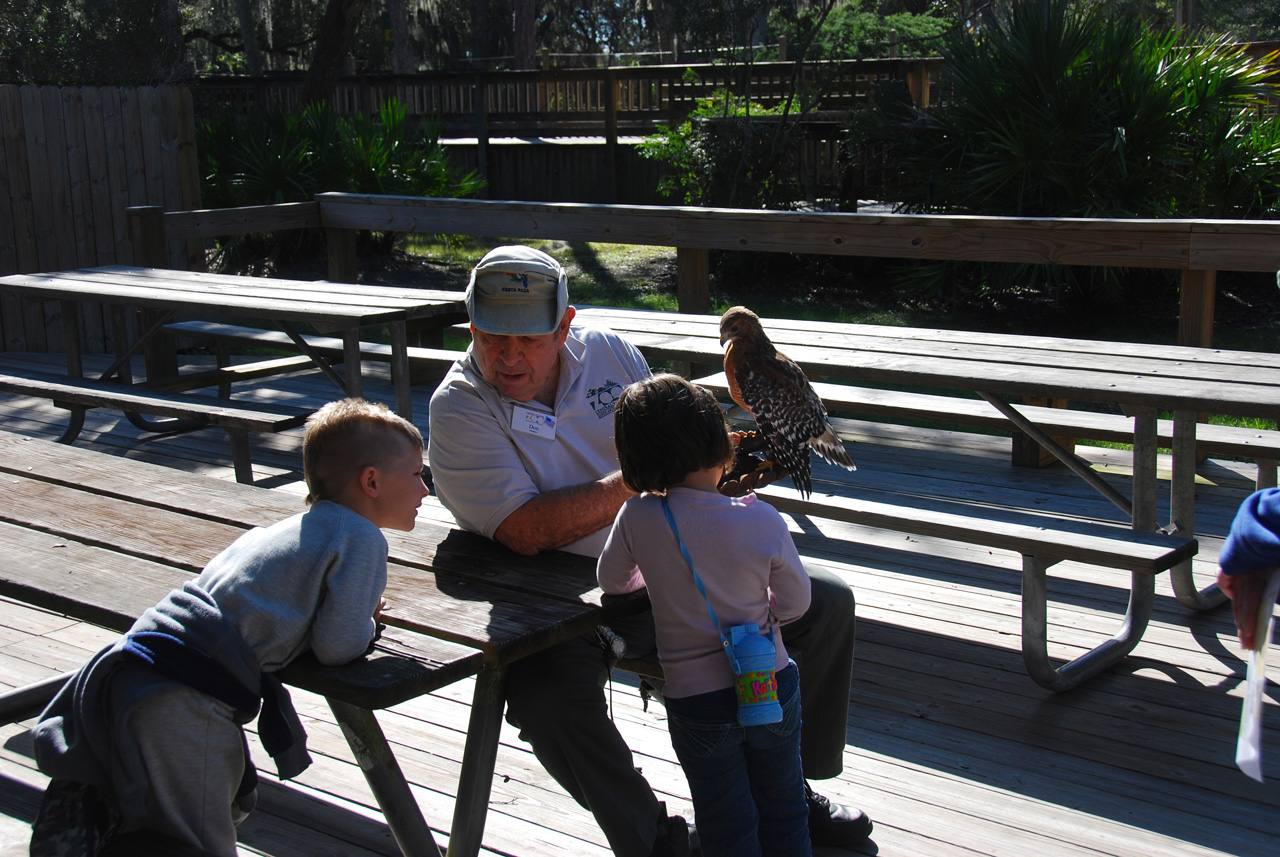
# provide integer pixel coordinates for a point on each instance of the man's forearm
(556, 518)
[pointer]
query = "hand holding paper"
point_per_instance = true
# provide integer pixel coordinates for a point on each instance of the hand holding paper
(1253, 598)
(1248, 602)
(1249, 574)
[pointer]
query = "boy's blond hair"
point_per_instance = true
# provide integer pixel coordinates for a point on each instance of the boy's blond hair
(346, 436)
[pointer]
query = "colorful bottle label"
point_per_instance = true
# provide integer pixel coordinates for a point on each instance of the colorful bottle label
(756, 687)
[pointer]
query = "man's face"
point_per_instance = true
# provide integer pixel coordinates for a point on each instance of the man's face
(522, 367)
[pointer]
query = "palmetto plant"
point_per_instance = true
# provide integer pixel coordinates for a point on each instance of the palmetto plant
(280, 156)
(1069, 112)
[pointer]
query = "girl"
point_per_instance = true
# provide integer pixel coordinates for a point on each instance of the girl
(673, 445)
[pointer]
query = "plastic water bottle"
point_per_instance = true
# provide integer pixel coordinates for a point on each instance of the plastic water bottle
(757, 685)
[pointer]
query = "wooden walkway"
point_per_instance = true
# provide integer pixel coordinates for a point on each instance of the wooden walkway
(952, 749)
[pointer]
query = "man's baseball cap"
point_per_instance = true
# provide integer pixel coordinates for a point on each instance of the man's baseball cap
(517, 291)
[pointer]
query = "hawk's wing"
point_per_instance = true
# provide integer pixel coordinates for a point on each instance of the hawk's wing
(787, 410)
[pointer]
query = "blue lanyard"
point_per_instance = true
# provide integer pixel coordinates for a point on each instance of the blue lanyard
(711, 612)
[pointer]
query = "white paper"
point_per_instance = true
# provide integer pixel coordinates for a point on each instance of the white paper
(1249, 743)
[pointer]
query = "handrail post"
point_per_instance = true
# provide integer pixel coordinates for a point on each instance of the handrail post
(1195, 317)
(481, 108)
(920, 84)
(188, 169)
(693, 280)
(693, 295)
(611, 97)
(1195, 314)
(341, 246)
(146, 231)
(151, 249)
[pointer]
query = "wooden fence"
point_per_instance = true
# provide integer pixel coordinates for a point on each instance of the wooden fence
(577, 169)
(517, 129)
(72, 159)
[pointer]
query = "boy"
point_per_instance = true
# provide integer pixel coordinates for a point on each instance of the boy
(149, 731)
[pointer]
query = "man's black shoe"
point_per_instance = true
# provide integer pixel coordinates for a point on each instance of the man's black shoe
(833, 824)
(676, 837)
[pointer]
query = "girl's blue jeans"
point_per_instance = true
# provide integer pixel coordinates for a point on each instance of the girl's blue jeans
(746, 781)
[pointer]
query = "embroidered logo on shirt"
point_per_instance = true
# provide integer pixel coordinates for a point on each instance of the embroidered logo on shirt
(604, 399)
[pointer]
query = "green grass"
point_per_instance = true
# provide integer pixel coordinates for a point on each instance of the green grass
(623, 275)
(1214, 419)
(604, 274)
(455, 251)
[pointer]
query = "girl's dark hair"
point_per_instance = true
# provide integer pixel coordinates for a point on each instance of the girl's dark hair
(666, 428)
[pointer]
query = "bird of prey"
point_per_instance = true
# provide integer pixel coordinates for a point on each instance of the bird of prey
(776, 392)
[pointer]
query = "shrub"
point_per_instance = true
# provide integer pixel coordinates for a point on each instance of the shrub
(280, 156)
(1053, 112)
(731, 152)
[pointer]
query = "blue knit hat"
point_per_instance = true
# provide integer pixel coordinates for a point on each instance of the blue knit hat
(1254, 540)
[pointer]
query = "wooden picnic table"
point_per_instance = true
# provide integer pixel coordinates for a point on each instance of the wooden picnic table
(340, 308)
(1140, 378)
(139, 530)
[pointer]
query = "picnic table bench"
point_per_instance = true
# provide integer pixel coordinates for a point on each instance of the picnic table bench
(238, 419)
(460, 605)
(422, 361)
(1042, 541)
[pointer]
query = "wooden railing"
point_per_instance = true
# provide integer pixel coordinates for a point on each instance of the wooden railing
(570, 102)
(1198, 248)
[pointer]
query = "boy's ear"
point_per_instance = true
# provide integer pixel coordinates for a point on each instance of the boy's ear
(369, 481)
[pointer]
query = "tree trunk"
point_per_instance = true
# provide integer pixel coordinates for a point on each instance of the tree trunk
(402, 59)
(253, 61)
(526, 38)
(171, 55)
(661, 19)
(481, 36)
(333, 42)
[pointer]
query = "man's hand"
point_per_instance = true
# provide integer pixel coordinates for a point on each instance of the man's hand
(749, 482)
(1245, 592)
(745, 476)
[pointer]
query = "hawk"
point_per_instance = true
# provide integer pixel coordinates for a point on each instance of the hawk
(776, 392)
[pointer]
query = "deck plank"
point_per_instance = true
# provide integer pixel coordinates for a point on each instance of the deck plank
(952, 749)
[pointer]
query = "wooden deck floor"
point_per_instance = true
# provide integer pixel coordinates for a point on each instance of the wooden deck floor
(952, 749)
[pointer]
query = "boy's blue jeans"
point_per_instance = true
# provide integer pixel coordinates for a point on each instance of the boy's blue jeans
(746, 781)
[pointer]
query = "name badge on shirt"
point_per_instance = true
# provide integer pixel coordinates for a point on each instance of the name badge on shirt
(533, 422)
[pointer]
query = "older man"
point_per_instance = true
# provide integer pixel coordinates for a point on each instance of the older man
(521, 451)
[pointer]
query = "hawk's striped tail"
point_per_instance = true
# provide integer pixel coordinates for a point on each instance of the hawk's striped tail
(831, 448)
